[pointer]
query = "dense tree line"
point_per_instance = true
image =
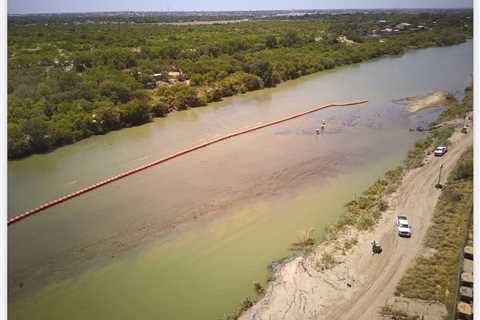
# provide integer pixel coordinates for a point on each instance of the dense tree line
(67, 82)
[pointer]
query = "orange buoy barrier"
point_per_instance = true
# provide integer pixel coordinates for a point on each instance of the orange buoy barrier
(170, 157)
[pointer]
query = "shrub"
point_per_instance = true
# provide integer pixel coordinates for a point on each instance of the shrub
(442, 134)
(247, 303)
(305, 241)
(365, 222)
(259, 289)
(349, 243)
(159, 109)
(382, 205)
(327, 261)
(464, 170)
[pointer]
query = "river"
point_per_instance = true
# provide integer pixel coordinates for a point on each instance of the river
(187, 239)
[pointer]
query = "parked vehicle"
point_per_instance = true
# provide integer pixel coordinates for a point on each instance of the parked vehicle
(376, 247)
(440, 151)
(404, 229)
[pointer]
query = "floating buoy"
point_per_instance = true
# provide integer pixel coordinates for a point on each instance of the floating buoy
(172, 156)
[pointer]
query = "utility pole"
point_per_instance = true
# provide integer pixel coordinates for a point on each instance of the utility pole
(465, 124)
(439, 185)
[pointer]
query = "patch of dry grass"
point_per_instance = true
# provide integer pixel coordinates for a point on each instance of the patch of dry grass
(305, 241)
(327, 261)
(389, 313)
(363, 213)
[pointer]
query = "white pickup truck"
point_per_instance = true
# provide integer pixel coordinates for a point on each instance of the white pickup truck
(440, 151)
(404, 229)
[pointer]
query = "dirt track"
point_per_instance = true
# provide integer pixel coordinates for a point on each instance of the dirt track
(359, 286)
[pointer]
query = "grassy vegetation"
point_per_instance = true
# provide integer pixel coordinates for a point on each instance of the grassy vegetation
(246, 304)
(434, 277)
(438, 136)
(458, 110)
(327, 261)
(396, 314)
(470, 235)
(349, 244)
(364, 212)
(304, 242)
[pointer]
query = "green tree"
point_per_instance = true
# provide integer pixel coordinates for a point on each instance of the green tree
(36, 130)
(159, 108)
(271, 42)
(291, 39)
(61, 131)
(18, 142)
(134, 113)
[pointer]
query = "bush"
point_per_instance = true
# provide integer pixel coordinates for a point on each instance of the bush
(18, 142)
(442, 134)
(305, 241)
(159, 109)
(327, 261)
(349, 243)
(464, 170)
(456, 109)
(382, 205)
(135, 113)
(240, 82)
(365, 222)
(247, 304)
(259, 289)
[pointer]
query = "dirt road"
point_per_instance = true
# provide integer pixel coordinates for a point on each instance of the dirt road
(360, 285)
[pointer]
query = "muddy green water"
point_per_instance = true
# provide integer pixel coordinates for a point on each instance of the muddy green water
(185, 240)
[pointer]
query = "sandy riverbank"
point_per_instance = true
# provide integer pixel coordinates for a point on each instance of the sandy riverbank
(360, 284)
(435, 99)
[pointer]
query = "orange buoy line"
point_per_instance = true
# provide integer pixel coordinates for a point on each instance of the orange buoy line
(170, 157)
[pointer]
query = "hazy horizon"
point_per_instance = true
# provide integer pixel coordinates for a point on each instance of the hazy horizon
(92, 6)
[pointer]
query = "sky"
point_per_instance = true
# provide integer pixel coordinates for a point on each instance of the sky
(58, 6)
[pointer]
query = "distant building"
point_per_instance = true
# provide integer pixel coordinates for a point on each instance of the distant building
(387, 30)
(402, 26)
(382, 21)
(344, 39)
